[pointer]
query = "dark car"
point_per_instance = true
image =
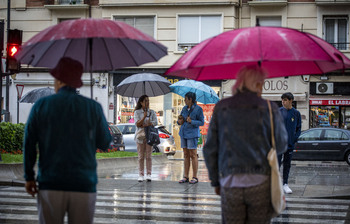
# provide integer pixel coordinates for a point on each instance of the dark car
(117, 138)
(323, 144)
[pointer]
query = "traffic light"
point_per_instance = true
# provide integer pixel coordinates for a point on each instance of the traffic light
(14, 42)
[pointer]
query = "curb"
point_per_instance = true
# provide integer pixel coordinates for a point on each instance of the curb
(12, 174)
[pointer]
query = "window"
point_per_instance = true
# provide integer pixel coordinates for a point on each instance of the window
(335, 31)
(142, 23)
(270, 21)
(313, 135)
(194, 29)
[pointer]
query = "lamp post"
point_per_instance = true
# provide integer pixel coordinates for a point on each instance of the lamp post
(19, 95)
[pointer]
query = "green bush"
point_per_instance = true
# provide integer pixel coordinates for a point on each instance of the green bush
(11, 137)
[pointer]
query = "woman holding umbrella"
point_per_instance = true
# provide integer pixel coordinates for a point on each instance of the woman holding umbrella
(190, 119)
(144, 117)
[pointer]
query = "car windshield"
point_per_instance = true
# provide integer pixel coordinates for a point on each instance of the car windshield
(127, 129)
(114, 130)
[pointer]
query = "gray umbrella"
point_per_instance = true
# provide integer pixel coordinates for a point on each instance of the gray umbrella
(35, 94)
(144, 84)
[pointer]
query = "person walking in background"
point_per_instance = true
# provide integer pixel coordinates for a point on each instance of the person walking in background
(144, 117)
(238, 141)
(292, 122)
(190, 119)
(67, 128)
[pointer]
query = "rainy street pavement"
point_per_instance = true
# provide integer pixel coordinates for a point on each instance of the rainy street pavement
(321, 194)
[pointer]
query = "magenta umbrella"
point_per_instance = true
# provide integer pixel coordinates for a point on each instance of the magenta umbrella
(281, 51)
(99, 44)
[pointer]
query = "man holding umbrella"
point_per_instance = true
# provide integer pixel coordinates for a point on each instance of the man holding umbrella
(67, 128)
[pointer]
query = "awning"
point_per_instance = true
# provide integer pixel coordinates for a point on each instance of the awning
(276, 96)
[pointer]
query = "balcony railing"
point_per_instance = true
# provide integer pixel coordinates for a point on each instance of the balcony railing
(70, 2)
(341, 46)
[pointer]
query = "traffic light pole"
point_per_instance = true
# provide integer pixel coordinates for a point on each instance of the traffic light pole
(7, 114)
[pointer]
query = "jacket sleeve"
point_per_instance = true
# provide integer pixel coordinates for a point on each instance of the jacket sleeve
(103, 137)
(30, 142)
(211, 150)
(199, 121)
(298, 128)
(281, 135)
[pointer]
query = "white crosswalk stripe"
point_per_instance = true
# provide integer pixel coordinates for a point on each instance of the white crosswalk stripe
(16, 206)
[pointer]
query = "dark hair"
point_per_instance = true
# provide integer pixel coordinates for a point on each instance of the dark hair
(192, 96)
(288, 96)
(141, 99)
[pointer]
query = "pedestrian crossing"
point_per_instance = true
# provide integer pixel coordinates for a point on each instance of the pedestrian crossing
(116, 206)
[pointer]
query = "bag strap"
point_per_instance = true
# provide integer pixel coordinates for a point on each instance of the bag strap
(272, 126)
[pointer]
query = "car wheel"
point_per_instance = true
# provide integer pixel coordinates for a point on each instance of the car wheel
(347, 157)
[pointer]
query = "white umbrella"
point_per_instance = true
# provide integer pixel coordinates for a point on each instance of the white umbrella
(144, 84)
(35, 94)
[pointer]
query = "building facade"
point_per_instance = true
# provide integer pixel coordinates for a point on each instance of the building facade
(180, 25)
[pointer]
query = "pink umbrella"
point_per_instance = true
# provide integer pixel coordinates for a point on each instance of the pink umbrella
(99, 44)
(281, 51)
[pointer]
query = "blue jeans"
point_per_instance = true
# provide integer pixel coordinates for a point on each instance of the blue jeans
(287, 160)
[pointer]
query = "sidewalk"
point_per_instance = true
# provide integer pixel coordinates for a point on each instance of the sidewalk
(307, 179)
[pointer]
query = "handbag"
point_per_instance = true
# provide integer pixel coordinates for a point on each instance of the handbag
(152, 135)
(140, 134)
(278, 198)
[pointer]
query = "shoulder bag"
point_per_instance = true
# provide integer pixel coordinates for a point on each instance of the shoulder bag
(278, 199)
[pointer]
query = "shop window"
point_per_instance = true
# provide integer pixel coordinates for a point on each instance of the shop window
(324, 116)
(335, 31)
(194, 29)
(142, 23)
(313, 135)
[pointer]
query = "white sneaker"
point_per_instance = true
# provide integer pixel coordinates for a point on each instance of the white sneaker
(140, 179)
(286, 189)
(148, 177)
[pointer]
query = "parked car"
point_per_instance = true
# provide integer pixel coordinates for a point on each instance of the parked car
(323, 144)
(167, 142)
(117, 138)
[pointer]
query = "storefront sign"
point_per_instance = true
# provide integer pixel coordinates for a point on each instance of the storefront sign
(330, 102)
(275, 85)
(207, 112)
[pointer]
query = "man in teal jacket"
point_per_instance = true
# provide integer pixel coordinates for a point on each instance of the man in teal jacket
(65, 129)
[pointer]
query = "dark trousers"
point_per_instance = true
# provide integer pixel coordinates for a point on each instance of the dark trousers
(287, 160)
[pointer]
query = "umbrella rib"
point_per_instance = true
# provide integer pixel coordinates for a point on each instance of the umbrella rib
(109, 55)
(127, 49)
(323, 51)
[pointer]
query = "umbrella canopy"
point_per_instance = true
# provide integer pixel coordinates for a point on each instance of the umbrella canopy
(99, 44)
(281, 51)
(35, 94)
(204, 93)
(143, 84)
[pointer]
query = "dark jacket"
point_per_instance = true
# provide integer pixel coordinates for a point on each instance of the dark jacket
(239, 137)
(66, 128)
(292, 122)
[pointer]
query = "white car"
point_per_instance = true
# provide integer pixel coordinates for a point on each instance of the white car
(167, 142)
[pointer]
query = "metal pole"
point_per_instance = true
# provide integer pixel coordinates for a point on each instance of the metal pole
(7, 114)
(17, 109)
(2, 26)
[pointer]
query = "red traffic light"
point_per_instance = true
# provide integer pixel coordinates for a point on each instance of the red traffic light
(13, 50)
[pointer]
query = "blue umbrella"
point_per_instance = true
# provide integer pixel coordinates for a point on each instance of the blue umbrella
(204, 93)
